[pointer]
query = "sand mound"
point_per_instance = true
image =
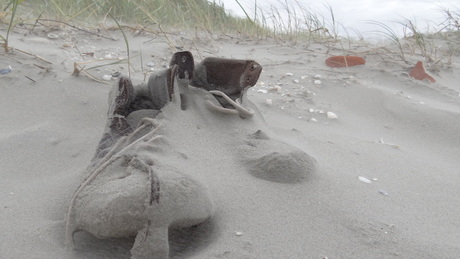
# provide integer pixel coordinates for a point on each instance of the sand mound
(273, 160)
(276, 161)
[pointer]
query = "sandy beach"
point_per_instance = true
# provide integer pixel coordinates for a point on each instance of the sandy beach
(386, 146)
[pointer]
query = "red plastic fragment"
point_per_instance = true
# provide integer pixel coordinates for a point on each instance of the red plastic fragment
(419, 73)
(345, 61)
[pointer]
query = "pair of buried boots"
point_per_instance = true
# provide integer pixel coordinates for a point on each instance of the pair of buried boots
(228, 79)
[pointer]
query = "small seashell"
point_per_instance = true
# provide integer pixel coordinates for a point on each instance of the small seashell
(275, 88)
(53, 36)
(269, 102)
(364, 179)
(262, 91)
(317, 76)
(383, 192)
(296, 81)
(5, 71)
(311, 110)
(108, 56)
(238, 233)
(332, 115)
(314, 120)
(289, 74)
(151, 64)
(107, 77)
(303, 77)
(317, 82)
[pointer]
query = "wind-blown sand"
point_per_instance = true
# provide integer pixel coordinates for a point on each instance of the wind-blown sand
(399, 134)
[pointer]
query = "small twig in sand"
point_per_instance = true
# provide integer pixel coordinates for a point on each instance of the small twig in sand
(75, 27)
(79, 67)
(36, 22)
(33, 55)
(42, 67)
(82, 56)
(30, 79)
(77, 70)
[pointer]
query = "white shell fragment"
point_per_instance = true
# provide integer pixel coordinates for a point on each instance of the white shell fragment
(317, 82)
(262, 91)
(151, 64)
(238, 233)
(314, 120)
(289, 74)
(364, 179)
(107, 77)
(296, 81)
(269, 102)
(53, 36)
(275, 88)
(332, 115)
(317, 76)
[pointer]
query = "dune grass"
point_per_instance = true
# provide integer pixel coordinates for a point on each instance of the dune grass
(14, 8)
(293, 21)
(184, 15)
(290, 21)
(437, 45)
(302, 24)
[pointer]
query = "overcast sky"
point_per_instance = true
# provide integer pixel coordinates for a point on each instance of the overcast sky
(353, 14)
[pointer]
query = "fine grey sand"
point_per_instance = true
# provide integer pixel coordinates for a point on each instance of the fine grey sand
(385, 186)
